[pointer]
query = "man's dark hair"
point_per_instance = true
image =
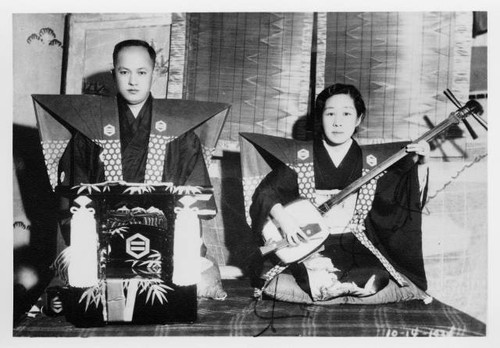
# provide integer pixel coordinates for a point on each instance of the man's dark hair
(133, 43)
(337, 88)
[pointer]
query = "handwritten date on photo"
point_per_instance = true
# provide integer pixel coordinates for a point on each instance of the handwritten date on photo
(418, 332)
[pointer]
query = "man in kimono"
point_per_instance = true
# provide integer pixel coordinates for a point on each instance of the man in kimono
(132, 139)
(134, 63)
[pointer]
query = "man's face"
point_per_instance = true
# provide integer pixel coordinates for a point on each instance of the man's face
(133, 74)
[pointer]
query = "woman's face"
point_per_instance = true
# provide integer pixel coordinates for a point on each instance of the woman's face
(340, 118)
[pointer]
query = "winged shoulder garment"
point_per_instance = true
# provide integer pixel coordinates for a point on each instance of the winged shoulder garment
(183, 165)
(393, 223)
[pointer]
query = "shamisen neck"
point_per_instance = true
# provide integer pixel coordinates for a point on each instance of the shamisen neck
(337, 152)
(454, 118)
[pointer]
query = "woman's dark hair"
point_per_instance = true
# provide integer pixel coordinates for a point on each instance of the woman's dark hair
(337, 88)
(133, 43)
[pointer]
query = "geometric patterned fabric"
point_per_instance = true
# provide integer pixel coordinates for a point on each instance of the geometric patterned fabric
(112, 159)
(156, 156)
(208, 153)
(249, 186)
(305, 173)
(52, 153)
(365, 196)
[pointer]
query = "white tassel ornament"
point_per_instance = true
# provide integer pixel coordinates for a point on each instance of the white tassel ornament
(83, 267)
(187, 243)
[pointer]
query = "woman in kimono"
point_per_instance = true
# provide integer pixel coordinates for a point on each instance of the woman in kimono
(392, 224)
